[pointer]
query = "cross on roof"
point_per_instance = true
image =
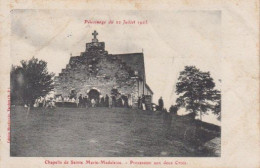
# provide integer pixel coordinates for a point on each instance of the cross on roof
(95, 33)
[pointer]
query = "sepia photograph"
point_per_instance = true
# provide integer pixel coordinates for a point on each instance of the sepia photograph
(115, 84)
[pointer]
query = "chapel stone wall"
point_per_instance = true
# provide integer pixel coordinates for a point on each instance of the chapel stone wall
(95, 69)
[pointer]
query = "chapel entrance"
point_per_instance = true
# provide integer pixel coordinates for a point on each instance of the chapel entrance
(94, 94)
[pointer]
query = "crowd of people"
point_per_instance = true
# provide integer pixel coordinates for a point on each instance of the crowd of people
(101, 101)
(104, 101)
(144, 106)
(44, 102)
(84, 101)
(141, 103)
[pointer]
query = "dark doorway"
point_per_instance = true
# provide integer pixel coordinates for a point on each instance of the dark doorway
(93, 94)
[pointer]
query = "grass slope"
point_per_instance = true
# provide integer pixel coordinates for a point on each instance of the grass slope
(103, 132)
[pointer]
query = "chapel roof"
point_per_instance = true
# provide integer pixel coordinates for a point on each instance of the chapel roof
(133, 60)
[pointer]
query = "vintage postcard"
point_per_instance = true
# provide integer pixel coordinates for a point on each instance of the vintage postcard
(130, 84)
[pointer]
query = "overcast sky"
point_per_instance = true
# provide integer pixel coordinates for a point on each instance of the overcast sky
(170, 41)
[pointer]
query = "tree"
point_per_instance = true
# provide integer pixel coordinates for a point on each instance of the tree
(30, 80)
(196, 92)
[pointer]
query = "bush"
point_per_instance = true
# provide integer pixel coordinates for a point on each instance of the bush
(173, 109)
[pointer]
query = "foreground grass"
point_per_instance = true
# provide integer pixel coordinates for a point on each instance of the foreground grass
(102, 132)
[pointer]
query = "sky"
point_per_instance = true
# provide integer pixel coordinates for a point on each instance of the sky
(170, 41)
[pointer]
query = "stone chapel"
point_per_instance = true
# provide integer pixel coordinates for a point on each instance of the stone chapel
(96, 73)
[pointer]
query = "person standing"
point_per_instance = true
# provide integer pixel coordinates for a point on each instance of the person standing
(113, 101)
(93, 103)
(143, 102)
(119, 102)
(41, 101)
(126, 102)
(161, 104)
(130, 103)
(102, 102)
(110, 102)
(106, 101)
(80, 101)
(139, 103)
(85, 101)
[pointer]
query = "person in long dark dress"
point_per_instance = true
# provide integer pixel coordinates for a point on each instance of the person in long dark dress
(107, 101)
(80, 101)
(85, 101)
(125, 100)
(119, 102)
(161, 104)
(113, 101)
(102, 102)
(139, 103)
(97, 102)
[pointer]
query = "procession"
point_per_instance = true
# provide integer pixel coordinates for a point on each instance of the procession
(82, 101)
(85, 102)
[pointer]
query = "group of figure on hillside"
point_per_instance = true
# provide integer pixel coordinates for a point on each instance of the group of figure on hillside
(141, 103)
(44, 102)
(101, 101)
(85, 101)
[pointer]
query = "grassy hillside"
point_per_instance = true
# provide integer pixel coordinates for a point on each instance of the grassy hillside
(105, 132)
